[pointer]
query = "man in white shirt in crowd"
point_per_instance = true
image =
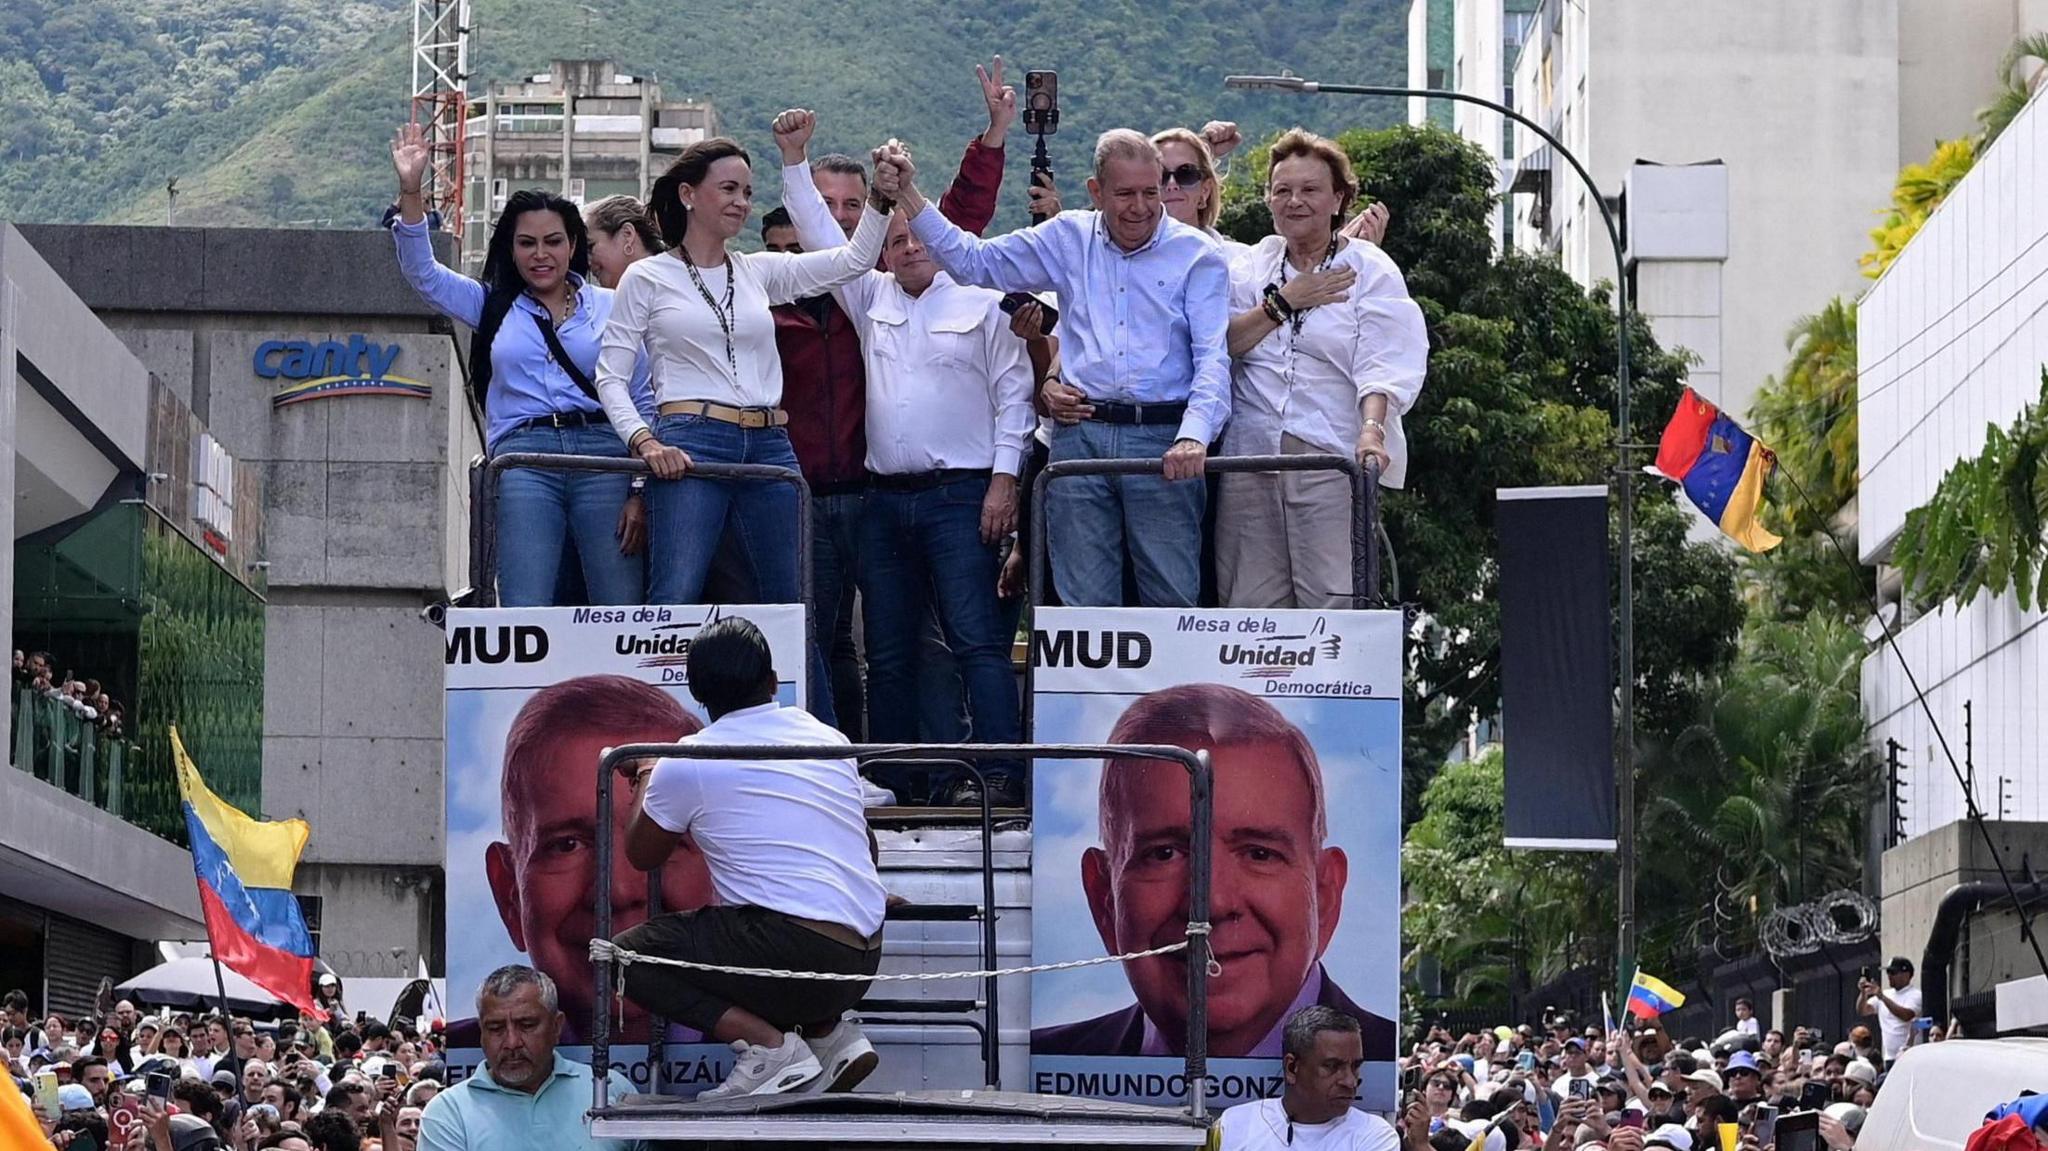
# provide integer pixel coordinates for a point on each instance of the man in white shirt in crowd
(791, 861)
(948, 419)
(1321, 1055)
(1575, 1069)
(1895, 1006)
(1146, 302)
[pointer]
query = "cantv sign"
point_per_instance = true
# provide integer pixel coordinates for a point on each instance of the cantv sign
(332, 368)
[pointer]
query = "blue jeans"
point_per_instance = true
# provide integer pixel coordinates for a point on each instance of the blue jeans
(686, 519)
(835, 570)
(1092, 519)
(539, 512)
(921, 549)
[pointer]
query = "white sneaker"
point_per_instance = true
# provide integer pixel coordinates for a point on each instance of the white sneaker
(768, 1070)
(846, 1055)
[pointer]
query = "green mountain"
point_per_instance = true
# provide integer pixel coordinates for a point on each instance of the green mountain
(278, 111)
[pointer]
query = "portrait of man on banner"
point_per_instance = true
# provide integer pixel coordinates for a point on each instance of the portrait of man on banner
(1277, 882)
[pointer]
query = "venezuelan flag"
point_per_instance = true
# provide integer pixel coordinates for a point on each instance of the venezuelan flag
(1721, 467)
(245, 871)
(1649, 997)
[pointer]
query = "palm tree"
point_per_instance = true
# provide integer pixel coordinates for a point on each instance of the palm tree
(1808, 416)
(1762, 804)
(2020, 76)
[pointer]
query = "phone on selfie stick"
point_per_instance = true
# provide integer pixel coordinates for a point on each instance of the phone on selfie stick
(1041, 119)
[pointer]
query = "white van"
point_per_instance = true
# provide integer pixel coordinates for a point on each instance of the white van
(1937, 1094)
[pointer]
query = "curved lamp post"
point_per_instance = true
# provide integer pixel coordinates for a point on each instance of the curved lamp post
(1624, 475)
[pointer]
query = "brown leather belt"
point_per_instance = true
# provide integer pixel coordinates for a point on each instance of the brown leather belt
(839, 933)
(727, 414)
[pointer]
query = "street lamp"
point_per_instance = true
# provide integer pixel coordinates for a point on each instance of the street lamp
(1625, 776)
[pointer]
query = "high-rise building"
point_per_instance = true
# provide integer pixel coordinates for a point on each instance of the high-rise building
(1810, 109)
(582, 129)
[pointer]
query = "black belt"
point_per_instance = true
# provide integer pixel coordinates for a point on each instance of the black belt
(565, 420)
(839, 487)
(925, 481)
(1112, 412)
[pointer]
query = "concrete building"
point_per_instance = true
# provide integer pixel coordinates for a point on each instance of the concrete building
(582, 129)
(1430, 33)
(317, 367)
(136, 563)
(1951, 340)
(1776, 93)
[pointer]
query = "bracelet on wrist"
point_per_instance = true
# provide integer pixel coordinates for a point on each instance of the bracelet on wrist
(1272, 313)
(881, 203)
(1279, 301)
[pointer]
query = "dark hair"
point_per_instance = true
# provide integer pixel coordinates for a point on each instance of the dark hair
(1298, 1038)
(730, 666)
(346, 1044)
(293, 1098)
(501, 278)
(841, 164)
(1683, 1061)
(375, 1029)
(1744, 1001)
(665, 203)
(1449, 1139)
(339, 1094)
(15, 1000)
(333, 1131)
(91, 1122)
(777, 217)
(80, 1066)
(1719, 1109)
(198, 1098)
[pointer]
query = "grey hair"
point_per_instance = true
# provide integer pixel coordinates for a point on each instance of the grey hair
(1123, 144)
(841, 163)
(510, 978)
(267, 1068)
(1299, 1037)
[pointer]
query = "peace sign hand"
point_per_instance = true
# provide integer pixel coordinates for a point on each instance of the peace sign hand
(1001, 99)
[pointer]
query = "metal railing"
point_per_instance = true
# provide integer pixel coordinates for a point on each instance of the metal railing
(1365, 507)
(1199, 849)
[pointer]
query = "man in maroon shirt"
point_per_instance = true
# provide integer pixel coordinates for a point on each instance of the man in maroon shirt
(824, 390)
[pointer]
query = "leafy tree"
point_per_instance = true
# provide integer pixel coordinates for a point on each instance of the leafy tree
(1762, 801)
(1494, 920)
(2019, 77)
(1520, 392)
(1919, 191)
(1982, 529)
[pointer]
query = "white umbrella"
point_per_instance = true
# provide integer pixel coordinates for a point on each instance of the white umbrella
(189, 983)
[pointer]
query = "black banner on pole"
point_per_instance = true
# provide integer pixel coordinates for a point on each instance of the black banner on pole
(1556, 668)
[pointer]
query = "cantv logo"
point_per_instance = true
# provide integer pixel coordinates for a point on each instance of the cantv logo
(1091, 649)
(332, 368)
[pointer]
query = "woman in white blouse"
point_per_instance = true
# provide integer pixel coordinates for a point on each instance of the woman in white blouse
(1328, 351)
(701, 312)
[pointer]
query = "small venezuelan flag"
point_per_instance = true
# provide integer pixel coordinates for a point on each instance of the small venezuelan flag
(245, 871)
(1649, 997)
(1721, 467)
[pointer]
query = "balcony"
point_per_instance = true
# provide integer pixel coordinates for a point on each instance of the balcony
(61, 748)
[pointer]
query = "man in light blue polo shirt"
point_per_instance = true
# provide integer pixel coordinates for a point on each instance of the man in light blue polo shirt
(525, 1096)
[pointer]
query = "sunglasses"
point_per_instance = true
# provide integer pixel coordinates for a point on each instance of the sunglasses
(1187, 175)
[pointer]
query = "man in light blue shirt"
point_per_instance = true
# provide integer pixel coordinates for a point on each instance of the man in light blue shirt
(526, 1095)
(1146, 302)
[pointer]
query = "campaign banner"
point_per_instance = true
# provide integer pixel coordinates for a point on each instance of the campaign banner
(533, 697)
(1301, 714)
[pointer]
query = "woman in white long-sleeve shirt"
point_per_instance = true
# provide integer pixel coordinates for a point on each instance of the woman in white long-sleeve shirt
(533, 290)
(701, 311)
(1328, 352)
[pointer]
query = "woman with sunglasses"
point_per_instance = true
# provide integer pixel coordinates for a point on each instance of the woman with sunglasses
(1328, 351)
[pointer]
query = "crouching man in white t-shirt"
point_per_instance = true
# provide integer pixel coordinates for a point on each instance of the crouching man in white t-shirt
(1321, 1052)
(787, 846)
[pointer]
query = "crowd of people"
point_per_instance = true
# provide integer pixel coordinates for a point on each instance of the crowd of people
(83, 698)
(123, 1079)
(1567, 1088)
(919, 376)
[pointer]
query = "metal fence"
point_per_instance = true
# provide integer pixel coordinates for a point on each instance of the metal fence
(61, 748)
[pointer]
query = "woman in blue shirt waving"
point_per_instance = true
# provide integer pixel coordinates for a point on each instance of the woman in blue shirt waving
(533, 359)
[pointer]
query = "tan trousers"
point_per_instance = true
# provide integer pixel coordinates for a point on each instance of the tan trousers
(1284, 540)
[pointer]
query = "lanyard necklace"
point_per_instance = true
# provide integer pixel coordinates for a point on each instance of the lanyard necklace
(725, 315)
